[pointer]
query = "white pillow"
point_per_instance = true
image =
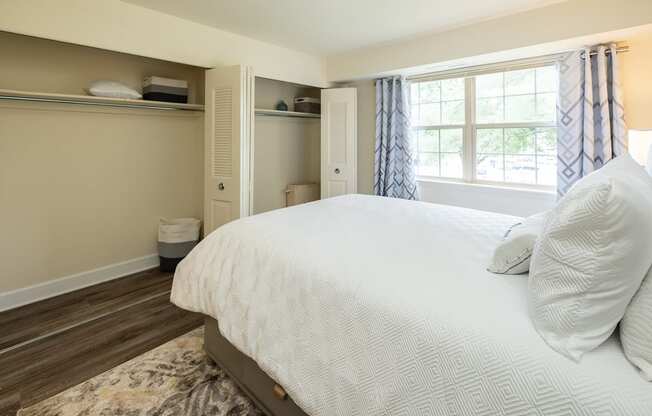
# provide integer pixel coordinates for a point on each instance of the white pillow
(636, 329)
(512, 255)
(593, 252)
(113, 89)
(636, 326)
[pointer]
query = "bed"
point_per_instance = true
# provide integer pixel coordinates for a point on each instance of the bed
(360, 305)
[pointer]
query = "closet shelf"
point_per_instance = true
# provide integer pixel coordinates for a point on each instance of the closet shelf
(278, 113)
(92, 100)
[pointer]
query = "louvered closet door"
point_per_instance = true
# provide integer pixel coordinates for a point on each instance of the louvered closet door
(228, 118)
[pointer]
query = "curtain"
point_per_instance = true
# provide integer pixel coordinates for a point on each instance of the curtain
(394, 174)
(590, 115)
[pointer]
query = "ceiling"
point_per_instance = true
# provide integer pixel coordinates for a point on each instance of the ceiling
(333, 26)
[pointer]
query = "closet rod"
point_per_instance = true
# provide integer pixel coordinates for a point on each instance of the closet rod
(474, 70)
(52, 100)
(280, 113)
(94, 101)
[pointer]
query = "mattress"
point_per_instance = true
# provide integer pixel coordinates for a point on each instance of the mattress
(360, 305)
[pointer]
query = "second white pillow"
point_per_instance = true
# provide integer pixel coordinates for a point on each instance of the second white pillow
(512, 255)
(112, 89)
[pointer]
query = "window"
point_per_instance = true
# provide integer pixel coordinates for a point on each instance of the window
(496, 128)
(438, 117)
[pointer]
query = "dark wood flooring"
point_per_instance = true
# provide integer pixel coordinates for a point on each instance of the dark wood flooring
(51, 345)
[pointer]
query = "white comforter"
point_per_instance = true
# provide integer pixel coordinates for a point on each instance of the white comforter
(362, 305)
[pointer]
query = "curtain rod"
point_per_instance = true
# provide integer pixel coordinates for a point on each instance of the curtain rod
(620, 49)
(499, 66)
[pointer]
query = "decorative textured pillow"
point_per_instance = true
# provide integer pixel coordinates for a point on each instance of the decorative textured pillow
(113, 89)
(512, 255)
(593, 252)
(636, 329)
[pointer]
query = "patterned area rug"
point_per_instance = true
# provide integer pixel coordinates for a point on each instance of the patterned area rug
(176, 378)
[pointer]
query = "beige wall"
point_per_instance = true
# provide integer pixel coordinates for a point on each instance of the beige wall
(84, 187)
(535, 32)
(636, 72)
(366, 135)
(123, 27)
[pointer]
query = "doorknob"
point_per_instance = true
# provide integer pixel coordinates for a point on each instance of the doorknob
(220, 186)
(337, 171)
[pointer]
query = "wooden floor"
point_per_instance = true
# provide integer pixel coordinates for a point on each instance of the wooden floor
(49, 346)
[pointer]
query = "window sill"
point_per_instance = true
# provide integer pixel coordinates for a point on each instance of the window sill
(488, 186)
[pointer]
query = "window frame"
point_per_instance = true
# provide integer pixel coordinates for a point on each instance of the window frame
(470, 127)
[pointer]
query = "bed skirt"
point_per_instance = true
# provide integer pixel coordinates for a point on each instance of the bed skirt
(265, 392)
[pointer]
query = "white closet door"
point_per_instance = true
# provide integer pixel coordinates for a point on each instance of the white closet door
(338, 142)
(228, 120)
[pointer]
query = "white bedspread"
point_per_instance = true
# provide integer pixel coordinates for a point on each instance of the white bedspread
(361, 305)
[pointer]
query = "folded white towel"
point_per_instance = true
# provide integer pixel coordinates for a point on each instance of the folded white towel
(167, 82)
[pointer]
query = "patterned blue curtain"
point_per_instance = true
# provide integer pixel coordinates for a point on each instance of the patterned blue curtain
(394, 174)
(591, 123)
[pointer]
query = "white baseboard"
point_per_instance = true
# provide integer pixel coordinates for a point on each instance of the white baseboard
(26, 295)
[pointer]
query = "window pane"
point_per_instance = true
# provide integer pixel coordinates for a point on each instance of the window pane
(519, 82)
(546, 107)
(452, 89)
(414, 94)
(520, 169)
(429, 92)
(547, 170)
(489, 110)
(518, 150)
(489, 167)
(547, 79)
(519, 141)
(547, 141)
(414, 114)
(428, 141)
(489, 141)
(451, 165)
(452, 112)
(520, 108)
(490, 85)
(429, 114)
(428, 164)
(451, 140)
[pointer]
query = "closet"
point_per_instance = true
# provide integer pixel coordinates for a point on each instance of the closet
(286, 144)
(254, 152)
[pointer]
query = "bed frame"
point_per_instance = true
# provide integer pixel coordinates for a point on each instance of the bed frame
(268, 395)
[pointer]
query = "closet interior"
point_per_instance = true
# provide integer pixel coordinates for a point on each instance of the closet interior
(286, 146)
